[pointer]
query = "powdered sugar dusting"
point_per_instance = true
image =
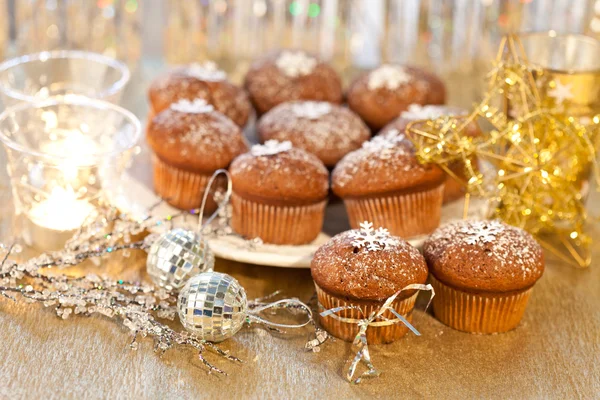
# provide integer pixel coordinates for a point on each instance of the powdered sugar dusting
(270, 148)
(392, 143)
(206, 71)
(419, 112)
(280, 161)
(295, 63)
(203, 135)
(370, 238)
(340, 266)
(207, 141)
(311, 109)
(334, 133)
(180, 83)
(197, 106)
(482, 231)
(508, 249)
(289, 175)
(388, 76)
(388, 158)
(385, 143)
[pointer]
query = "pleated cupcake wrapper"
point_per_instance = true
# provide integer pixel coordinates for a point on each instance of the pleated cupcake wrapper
(372, 322)
(380, 331)
(277, 224)
(478, 313)
(180, 188)
(405, 215)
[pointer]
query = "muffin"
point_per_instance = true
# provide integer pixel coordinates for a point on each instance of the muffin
(279, 194)
(291, 75)
(382, 94)
(190, 141)
(200, 81)
(455, 188)
(326, 130)
(362, 269)
(383, 182)
(483, 273)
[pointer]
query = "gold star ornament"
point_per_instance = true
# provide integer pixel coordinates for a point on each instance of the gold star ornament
(534, 160)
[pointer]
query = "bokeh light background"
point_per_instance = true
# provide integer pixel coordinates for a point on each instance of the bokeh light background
(453, 37)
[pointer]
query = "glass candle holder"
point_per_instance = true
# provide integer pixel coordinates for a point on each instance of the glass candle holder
(65, 155)
(567, 69)
(38, 76)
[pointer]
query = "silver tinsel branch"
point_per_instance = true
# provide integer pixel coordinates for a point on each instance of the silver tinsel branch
(138, 306)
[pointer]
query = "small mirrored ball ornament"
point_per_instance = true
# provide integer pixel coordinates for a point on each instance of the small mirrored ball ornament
(213, 306)
(176, 256)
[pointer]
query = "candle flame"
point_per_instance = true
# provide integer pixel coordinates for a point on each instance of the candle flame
(62, 210)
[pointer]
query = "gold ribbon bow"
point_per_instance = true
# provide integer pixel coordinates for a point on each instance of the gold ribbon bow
(376, 319)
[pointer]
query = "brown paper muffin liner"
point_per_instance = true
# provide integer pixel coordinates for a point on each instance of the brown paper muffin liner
(277, 224)
(405, 215)
(385, 333)
(478, 312)
(182, 189)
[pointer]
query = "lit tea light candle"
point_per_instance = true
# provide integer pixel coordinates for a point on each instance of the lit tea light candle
(55, 220)
(64, 155)
(72, 142)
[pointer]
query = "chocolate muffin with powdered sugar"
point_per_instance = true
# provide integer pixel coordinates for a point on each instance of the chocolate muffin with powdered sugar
(290, 75)
(190, 140)
(361, 269)
(383, 182)
(380, 95)
(326, 130)
(200, 81)
(279, 194)
(483, 273)
(455, 183)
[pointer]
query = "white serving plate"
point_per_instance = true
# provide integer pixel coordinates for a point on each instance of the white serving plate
(137, 198)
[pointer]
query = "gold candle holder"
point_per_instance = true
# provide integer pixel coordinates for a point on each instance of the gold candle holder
(566, 68)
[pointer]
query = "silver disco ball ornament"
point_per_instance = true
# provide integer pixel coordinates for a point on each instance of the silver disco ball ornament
(176, 256)
(213, 306)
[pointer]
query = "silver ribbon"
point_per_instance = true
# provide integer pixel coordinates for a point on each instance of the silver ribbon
(258, 307)
(376, 319)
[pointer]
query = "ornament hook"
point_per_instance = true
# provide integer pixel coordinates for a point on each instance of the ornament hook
(223, 203)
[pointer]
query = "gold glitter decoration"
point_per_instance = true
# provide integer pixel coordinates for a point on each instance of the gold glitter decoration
(535, 158)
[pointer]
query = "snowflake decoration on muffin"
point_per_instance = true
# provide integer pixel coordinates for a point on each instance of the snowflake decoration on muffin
(311, 109)
(388, 141)
(388, 76)
(481, 231)
(430, 112)
(295, 63)
(207, 71)
(270, 148)
(370, 238)
(197, 106)
(385, 145)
